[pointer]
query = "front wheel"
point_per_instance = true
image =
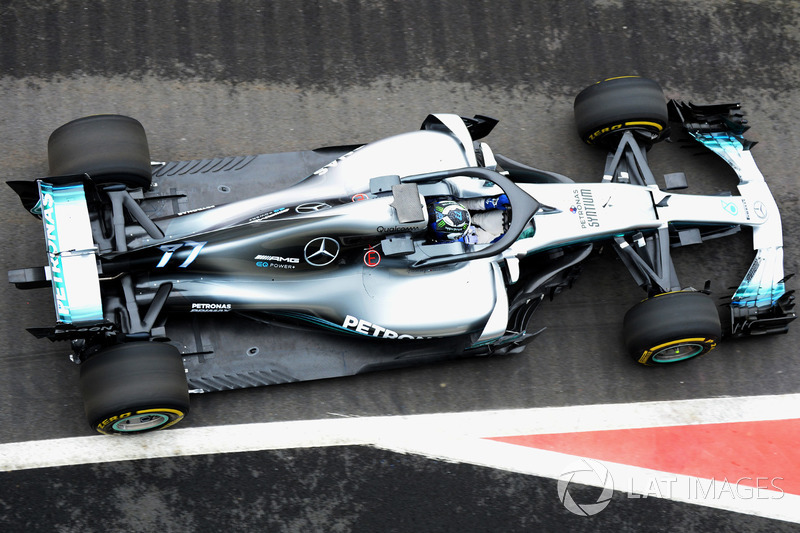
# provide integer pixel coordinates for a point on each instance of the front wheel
(607, 109)
(134, 387)
(672, 327)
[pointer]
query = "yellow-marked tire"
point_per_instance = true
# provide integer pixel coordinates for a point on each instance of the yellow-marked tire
(671, 328)
(134, 388)
(139, 421)
(605, 110)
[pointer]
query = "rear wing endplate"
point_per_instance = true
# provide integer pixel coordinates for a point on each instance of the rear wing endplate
(71, 253)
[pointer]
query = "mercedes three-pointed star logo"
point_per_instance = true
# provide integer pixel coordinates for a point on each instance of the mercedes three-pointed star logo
(760, 209)
(311, 207)
(321, 251)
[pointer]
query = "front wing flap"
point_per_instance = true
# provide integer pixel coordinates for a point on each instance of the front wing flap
(761, 304)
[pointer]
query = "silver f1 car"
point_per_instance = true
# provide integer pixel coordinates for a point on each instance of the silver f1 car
(214, 274)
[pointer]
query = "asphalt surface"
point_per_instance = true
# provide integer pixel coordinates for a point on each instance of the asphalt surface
(230, 78)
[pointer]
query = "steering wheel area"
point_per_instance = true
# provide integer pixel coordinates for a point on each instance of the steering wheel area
(522, 206)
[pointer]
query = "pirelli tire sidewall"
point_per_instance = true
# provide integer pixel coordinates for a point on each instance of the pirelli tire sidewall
(605, 110)
(136, 381)
(672, 327)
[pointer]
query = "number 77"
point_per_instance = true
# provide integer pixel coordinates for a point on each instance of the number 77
(170, 249)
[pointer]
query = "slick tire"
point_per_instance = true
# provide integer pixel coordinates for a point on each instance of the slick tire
(109, 148)
(605, 110)
(134, 388)
(672, 327)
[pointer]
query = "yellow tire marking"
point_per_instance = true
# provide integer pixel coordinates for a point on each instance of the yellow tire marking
(659, 127)
(618, 78)
(102, 425)
(648, 353)
(173, 411)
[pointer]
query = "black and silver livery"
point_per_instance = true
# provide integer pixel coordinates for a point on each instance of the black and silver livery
(213, 274)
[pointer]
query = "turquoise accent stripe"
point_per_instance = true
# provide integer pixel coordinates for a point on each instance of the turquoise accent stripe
(751, 295)
(319, 322)
(51, 196)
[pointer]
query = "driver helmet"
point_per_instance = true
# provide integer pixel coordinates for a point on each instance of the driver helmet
(450, 220)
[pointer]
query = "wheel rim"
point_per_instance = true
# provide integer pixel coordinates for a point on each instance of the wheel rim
(140, 422)
(677, 352)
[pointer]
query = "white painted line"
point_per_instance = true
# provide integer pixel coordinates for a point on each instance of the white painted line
(393, 431)
(457, 437)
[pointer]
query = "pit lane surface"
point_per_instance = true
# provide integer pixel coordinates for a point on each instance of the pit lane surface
(218, 78)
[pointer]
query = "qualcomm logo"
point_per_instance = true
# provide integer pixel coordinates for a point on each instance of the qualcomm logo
(585, 472)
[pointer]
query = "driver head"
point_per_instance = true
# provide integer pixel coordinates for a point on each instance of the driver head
(449, 220)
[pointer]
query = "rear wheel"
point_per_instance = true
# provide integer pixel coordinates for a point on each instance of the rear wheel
(110, 148)
(605, 110)
(672, 327)
(134, 387)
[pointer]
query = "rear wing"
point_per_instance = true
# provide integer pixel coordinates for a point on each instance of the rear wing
(71, 253)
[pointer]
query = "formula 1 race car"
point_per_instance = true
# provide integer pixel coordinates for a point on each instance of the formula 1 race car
(215, 274)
